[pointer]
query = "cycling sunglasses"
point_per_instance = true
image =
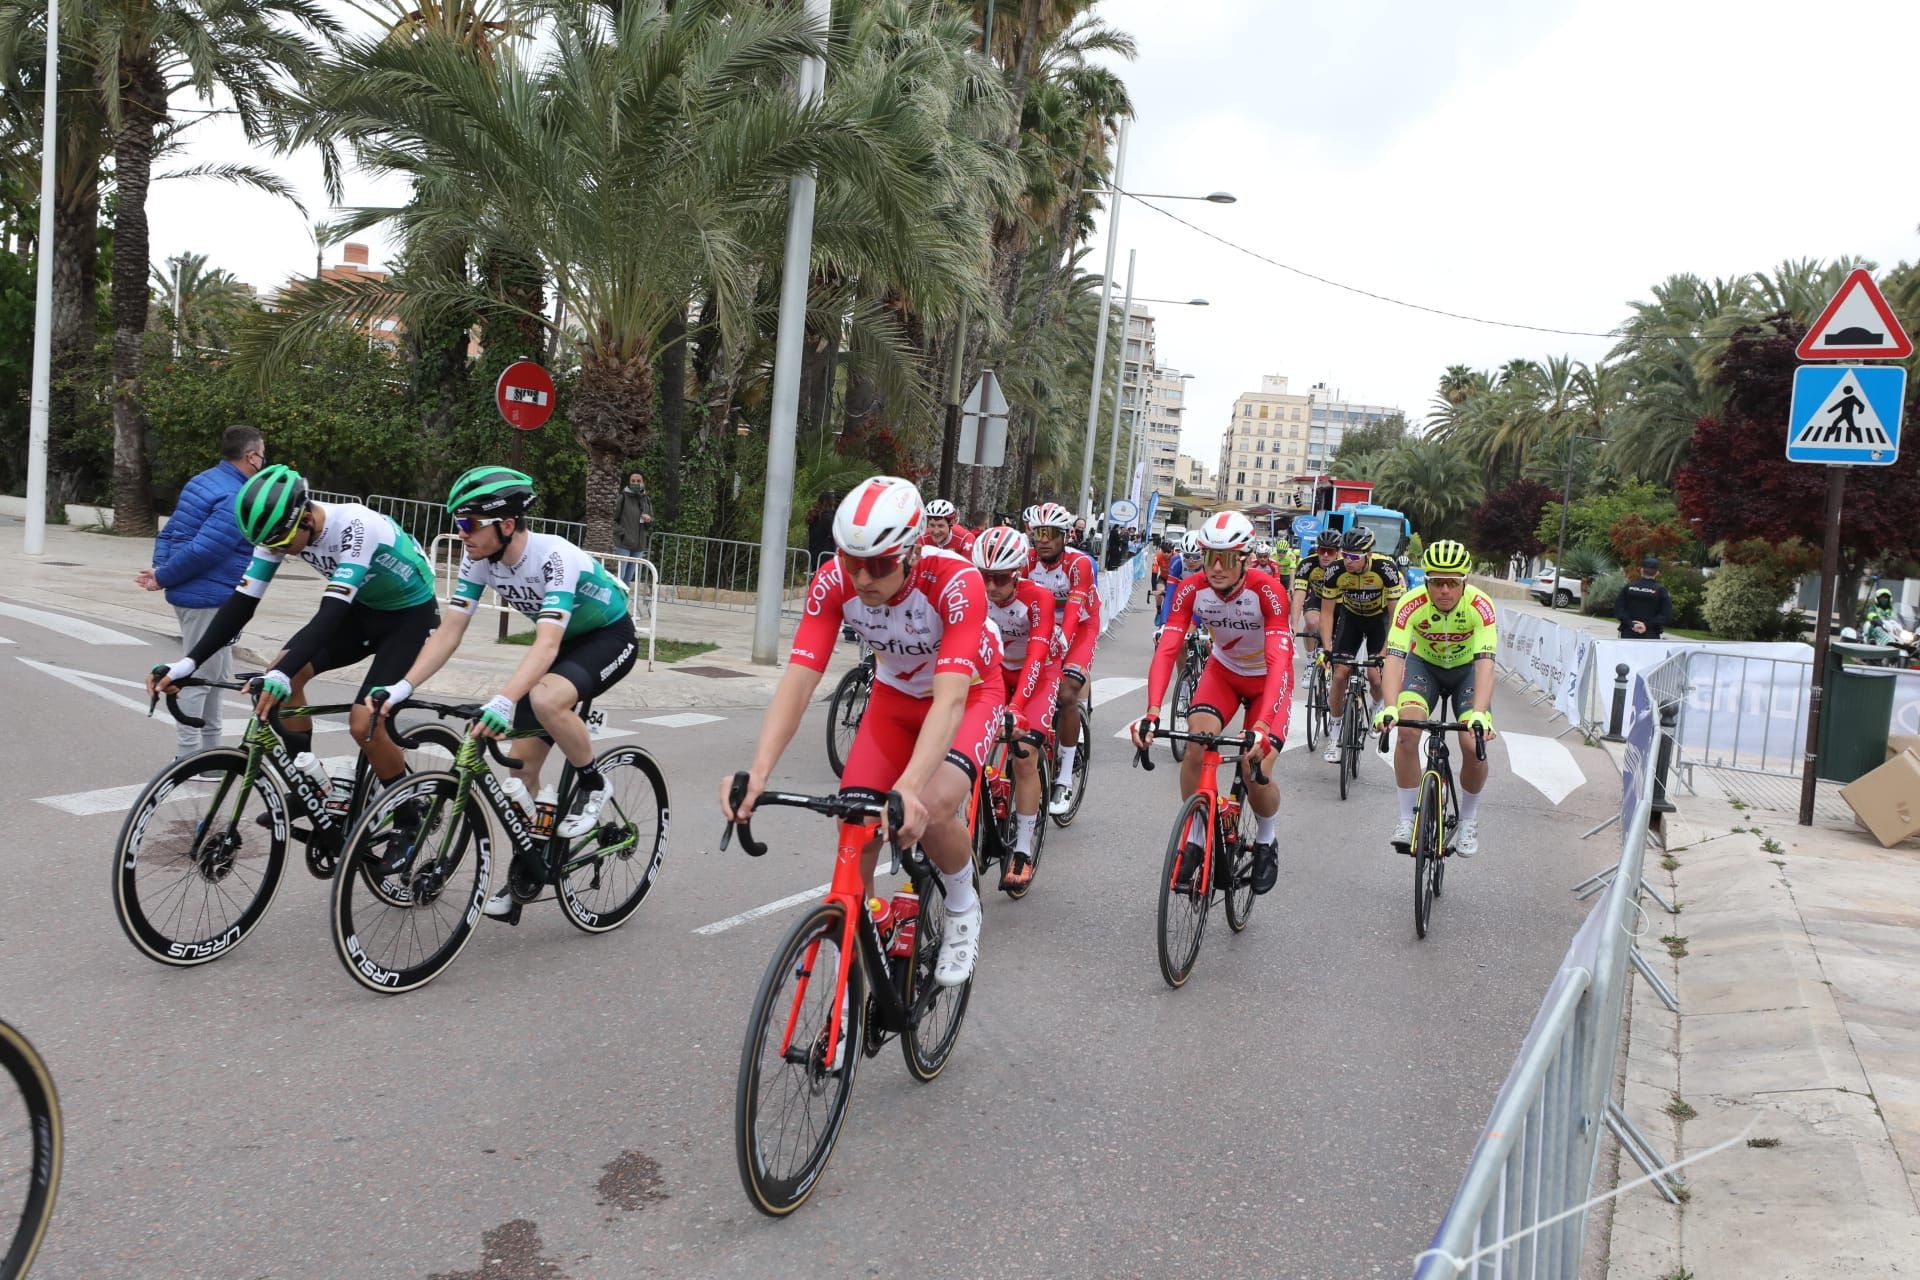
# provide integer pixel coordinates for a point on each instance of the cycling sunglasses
(1356, 557)
(1225, 559)
(874, 567)
(473, 524)
(298, 527)
(1000, 579)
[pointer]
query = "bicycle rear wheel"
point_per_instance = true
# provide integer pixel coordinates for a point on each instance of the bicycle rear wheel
(1426, 852)
(397, 932)
(1182, 705)
(1314, 731)
(607, 873)
(1349, 729)
(1183, 911)
(928, 1043)
(1082, 762)
(194, 870)
(849, 704)
(791, 1101)
(1040, 821)
(31, 1144)
(1238, 888)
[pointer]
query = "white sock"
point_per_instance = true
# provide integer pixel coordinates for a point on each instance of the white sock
(960, 894)
(1066, 764)
(1264, 832)
(1197, 830)
(1333, 735)
(1409, 799)
(1469, 805)
(1023, 824)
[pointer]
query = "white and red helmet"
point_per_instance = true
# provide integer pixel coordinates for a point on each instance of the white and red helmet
(880, 517)
(940, 509)
(1001, 549)
(1050, 515)
(1228, 531)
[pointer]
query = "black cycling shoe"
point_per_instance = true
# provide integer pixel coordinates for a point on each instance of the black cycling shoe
(403, 831)
(1266, 866)
(1191, 856)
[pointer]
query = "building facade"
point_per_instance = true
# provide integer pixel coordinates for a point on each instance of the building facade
(1278, 441)
(1331, 419)
(1194, 476)
(1165, 406)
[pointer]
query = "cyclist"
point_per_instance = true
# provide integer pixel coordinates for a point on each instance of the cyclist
(1023, 611)
(1286, 561)
(1185, 560)
(944, 530)
(1251, 667)
(936, 699)
(1442, 646)
(1310, 581)
(583, 638)
(1261, 557)
(1877, 621)
(1363, 591)
(378, 601)
(1070, 575)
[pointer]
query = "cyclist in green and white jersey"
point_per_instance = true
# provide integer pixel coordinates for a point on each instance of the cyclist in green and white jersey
(584, 640)
(378, 601)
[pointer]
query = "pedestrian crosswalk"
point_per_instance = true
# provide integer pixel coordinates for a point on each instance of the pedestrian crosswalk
(73, 628)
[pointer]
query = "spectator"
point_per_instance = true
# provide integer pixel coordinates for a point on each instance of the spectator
(1078, 539)
(633, 524)
(198, 557)
(820, 526)
(1643, 606)
(1116, 547)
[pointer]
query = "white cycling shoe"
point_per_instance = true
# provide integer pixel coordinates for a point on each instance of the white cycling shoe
(500, 905)
(1466, 839)
(1062, 802)
(583, 814)
(1402, 837)
(959, 947)
(1332, 754)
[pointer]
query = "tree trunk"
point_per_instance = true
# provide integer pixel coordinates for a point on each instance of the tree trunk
(611, 412)
(144, 103)
(673, 412)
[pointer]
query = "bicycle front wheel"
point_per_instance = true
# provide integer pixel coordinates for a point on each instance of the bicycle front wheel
(849, 704)
(199, 858)
(1183, 908)
(1426, 852)
(398, 931)
(1349, 747)
(1238, 886)
(31, 1143)
(1182, 706)
(1314, 731)
(1082, 762)
(607, 873)
(792, 1097)
(928, 1043)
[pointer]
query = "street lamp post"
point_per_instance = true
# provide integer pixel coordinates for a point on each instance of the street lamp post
(1566, 497)
(40, 398)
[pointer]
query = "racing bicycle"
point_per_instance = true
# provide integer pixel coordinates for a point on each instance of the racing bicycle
(821, 1007)
(397, 931)
(1354, 717)
(1438, 812)
(849, 703)
(1082, 762)
(991, 813)
(31, 1143)
(1319, 709)
(1223, 833)
(1193, 660)
(202, 852)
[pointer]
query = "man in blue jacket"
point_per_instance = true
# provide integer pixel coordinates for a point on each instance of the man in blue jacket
(197, 559)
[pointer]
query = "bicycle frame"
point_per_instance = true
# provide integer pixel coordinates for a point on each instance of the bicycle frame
(1211, 761)
(266, 748)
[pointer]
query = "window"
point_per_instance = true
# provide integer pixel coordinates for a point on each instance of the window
(1246, 411)
(1316, 450)
(1259, 463)
(1296, 413)
(1239, 495)
(1259, 446)
(1263, 411)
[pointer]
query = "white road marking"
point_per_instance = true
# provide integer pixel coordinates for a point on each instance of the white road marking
(681, 720)
(84, 804)
(1109, 687)
(92, 682)
(73, 628)
(4, 640)
(1545, 763)
(771, 908)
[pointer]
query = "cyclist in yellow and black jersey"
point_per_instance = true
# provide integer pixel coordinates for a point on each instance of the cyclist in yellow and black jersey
(1310, 582)
(1359, 597)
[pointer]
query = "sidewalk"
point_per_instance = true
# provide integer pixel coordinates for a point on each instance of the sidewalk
(1796, 960)
(91, 574)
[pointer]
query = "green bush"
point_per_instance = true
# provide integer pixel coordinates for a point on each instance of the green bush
(1606, 589)
(1743, 603)
(1688, 587)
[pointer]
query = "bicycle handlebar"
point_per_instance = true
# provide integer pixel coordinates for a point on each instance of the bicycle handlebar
(1438, 726)
(847, 808)
(1210, 741)
(446, 711)
(1358, 664)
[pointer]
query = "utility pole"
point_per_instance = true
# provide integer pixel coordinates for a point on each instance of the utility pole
(950, 431)
(1100, 339)
(35, 541)
(1119, 381)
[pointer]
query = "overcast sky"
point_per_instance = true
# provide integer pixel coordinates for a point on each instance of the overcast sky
(1542, 162)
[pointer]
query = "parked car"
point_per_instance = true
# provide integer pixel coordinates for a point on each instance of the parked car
(1554, 589)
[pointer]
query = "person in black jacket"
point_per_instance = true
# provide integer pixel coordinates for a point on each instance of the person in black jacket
(1643, 606)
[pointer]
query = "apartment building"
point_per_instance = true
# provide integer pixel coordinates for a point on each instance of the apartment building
(1193, 474)
(1165, 407)
(1278, 440)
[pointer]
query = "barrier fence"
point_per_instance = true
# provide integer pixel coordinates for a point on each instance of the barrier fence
(445, 554)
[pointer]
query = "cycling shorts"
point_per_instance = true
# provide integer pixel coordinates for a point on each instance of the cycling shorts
(592, 662)
(1438, 688)
(394, 638)
(1223, 692)
(1079, 661)
(1350, 631)
(890, 727)
(1049, 690)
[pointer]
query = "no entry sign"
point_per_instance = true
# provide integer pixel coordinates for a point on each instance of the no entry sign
(524, 395)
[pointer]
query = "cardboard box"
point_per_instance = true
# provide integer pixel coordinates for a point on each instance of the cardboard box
(1896, 743)
(1887, 801)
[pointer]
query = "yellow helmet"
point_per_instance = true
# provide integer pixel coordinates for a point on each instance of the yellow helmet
(1447, 556)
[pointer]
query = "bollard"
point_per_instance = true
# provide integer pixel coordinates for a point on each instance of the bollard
(1668, 716)
(1618, 718)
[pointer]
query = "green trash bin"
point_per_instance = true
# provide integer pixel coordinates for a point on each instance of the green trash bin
(1856, 709)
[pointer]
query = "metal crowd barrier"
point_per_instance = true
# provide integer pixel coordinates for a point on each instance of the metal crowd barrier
(1521, 1208)
(445, 555)
(723, 573)
(428, 521)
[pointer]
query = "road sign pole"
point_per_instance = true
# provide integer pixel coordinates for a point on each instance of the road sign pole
(1115, 185)
(1119, 384)
(1822, 636)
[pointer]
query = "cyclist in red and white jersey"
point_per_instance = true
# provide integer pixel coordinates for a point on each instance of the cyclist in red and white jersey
(1023, 611)
(1070, 575)
(937, 691)
(944, 530)
(1251, 666)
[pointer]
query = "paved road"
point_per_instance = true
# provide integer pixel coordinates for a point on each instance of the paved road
(560, 1106)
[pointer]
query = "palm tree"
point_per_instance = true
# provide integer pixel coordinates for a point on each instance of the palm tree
(637, 161)
(199, 307)
(1435, 485)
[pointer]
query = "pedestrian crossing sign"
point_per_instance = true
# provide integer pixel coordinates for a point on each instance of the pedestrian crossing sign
(1846, 414)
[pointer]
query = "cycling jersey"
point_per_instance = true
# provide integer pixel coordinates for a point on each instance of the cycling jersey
(364, 557)
(1450, 639)
(1252, 635)
(936, 625)
(1026, 637)
(1071, 580)
(1368, 593)
(959, 541)
(1313, 580)
(553, 581)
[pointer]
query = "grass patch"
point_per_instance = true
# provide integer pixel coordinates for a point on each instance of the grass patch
(1676, 945)
(664, 650)
(1689, 633)
(1763, 1142)
(1737, 805)
(1681, 1109)
(1670, 863)
(1770, 845)
(1680, 1274)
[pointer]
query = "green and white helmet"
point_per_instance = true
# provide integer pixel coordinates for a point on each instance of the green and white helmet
(492, 492)
(270, 504)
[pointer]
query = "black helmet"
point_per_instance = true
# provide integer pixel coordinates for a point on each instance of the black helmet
(1357, 539)
(1329, 540)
